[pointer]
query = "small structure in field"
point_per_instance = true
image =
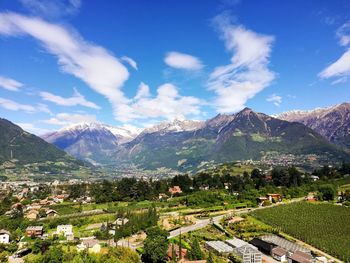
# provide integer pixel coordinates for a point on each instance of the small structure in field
(36, 231)
(4, 236)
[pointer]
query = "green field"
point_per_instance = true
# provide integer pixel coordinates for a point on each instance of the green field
(325, 226)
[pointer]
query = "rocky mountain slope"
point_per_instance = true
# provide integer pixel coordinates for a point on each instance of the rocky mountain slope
(333, 122)
(19, 146)
(94, 142)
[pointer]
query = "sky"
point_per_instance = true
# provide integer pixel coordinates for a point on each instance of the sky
(136, 63)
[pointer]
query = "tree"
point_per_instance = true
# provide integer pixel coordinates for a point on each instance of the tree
(155, 245)
(53, 255)
(327, 192)
(195, 253)
(211, 258)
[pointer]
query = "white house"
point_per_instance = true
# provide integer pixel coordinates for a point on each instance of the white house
(279, 254)
(4, 237)
(66, 230)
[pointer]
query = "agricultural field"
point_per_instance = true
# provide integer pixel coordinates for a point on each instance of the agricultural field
(325, 226)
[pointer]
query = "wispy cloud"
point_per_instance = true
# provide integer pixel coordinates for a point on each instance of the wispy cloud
(343, 34)
(64, 119)
(182, 61)
(248, 72)
(76, 99)
(91, 63)
(15, 106)
(275, 99)
(130, 61)
(341, 67)
(10, 84)
(52, 8)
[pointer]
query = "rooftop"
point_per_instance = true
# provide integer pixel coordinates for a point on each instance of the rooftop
(219, 246)
(34, 228)
(284, 243)
(279, 251)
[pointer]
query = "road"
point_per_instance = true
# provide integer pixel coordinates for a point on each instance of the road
(205, 222)
(201, 223)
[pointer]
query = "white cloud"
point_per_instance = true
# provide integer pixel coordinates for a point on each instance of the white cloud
(44, 108)
(64, 119)
(14, 106)
(33, 129)
(91, 63)
(76, 99)
(341, 68)
(343, 33)
(10, 84)
(103, 72)
(52, 8)
(275, 99)
(130, 61)
(168, 104)
(248, 72)
(182, 61)
(142, 92)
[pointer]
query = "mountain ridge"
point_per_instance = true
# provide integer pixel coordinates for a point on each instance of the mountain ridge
(331, 122)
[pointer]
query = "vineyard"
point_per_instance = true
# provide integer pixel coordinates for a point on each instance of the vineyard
(325, 226)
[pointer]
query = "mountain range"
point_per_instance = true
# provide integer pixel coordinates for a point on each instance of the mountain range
(332, 122)
(185, 144)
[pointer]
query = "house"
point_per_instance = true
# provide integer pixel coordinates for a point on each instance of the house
(59, 198)
(66, 230)
(280, 254)
(4, 236)
(32, 214)
(249, 254)
(175, 190)
(300, 257)
(36, 231)
(176, 249)
(51, 213)
(92, 245)
(274, 197)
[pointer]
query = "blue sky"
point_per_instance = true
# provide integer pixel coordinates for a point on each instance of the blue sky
(135, 63)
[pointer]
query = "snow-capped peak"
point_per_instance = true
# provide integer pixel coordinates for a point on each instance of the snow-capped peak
(126, 131)
(174, 126)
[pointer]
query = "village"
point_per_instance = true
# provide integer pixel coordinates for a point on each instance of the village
(60, 217)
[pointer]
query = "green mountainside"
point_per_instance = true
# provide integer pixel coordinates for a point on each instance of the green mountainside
(19, 146)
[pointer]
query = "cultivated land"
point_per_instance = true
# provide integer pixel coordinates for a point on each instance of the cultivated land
(325, 226)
